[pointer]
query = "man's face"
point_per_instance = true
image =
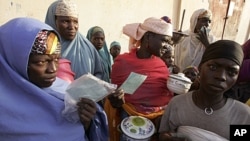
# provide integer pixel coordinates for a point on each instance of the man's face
(202, 22)
(67, 26)
(42, 69)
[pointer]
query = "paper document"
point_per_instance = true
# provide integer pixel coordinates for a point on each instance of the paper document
(133, 82)
(89, 86)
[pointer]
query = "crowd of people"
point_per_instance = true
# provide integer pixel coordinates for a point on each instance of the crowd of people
(51, 54)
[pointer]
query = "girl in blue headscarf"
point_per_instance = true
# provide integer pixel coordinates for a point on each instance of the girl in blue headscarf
(30, 110)
(97, 37)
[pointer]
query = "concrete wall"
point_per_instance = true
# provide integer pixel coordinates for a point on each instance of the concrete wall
(112, 15)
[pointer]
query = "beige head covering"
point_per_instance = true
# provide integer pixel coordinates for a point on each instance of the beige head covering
(136, 30)
(66, 8)
(200, 13)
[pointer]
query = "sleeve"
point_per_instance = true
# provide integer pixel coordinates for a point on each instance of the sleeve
(98, 130)
(244, 75)
(165, 120)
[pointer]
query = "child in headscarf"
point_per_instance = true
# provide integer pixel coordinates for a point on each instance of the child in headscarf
(97, 37)
(115, 49)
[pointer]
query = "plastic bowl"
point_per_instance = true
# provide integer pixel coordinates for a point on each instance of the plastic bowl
(178, 83)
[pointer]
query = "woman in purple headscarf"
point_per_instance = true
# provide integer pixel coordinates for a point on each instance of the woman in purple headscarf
(30, 109)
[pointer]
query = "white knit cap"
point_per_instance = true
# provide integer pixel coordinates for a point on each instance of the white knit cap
(66, 8)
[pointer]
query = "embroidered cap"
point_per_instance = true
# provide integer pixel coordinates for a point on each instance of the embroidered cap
(66, 8)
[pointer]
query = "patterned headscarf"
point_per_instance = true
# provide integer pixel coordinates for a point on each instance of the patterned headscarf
(66, 8)
(136, 30)
(46, 43)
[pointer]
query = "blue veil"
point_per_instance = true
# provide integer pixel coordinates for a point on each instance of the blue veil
(82, 54)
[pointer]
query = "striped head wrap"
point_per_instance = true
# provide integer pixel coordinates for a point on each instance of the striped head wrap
(46, 42)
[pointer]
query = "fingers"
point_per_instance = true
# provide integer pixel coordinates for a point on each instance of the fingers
(85, 101)
(119, 93)
(86, 108)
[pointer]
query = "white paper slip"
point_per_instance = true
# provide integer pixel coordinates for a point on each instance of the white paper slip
(133, 82)
(89, 86)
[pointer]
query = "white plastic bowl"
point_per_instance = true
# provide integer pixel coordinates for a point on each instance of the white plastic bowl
(179, 83)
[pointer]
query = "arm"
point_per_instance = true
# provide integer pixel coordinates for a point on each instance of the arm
(167, 136)
(116, 98)
(244, 75)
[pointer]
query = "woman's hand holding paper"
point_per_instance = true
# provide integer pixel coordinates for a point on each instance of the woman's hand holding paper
(86, 110)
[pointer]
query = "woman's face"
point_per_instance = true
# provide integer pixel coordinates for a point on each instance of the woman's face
(67, 26)
(98, 40)
(42, 69)
(157, 43)
(218, 75)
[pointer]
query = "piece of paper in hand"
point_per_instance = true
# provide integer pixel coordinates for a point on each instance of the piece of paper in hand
(89, 86)
(133, 82)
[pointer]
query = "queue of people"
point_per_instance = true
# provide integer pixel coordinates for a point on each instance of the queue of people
(50, 55)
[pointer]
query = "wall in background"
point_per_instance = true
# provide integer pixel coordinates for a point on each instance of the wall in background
(112, 15)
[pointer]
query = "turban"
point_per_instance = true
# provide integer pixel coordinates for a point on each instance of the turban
(200, 13)
(46, 43)
(136, 30)
(66, 8)
(205, 14)
(223, 49)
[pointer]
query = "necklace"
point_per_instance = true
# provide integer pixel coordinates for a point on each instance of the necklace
(208, 111)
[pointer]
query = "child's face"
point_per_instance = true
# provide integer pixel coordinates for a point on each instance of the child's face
(190, 73)
(168, 58)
